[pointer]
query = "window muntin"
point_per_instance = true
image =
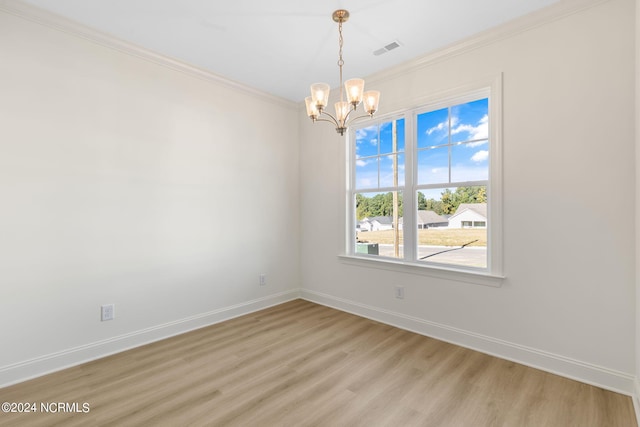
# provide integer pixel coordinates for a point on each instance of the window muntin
(447, 154)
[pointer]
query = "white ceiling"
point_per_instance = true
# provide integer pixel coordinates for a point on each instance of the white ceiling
(281, 46)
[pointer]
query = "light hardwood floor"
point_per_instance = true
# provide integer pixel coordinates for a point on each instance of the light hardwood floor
(302, 364)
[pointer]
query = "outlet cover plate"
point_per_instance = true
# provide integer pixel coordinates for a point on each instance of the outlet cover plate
(107, 312)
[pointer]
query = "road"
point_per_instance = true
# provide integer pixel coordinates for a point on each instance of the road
(473, 256)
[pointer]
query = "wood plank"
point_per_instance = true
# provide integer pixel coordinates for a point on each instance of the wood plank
(301, 363)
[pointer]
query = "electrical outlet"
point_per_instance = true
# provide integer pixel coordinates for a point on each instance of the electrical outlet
(263, 279)
(399, 292)
(107, 312)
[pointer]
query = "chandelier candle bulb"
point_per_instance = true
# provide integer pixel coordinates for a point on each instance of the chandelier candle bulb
(320, 95)
(371, 100)
(342, 110)
(354, 88)
(312, 110)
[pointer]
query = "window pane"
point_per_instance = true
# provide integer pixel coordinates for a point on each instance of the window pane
(470, 121)
(433, 128)
(433, 165)
(386, 137)
(376, 231)
(386, 170)
(470, 162)
(367, 173)
(452, 226)
(367, 141)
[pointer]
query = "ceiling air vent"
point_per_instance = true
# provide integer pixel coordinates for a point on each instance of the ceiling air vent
(387, 48)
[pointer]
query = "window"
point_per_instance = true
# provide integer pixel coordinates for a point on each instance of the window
(425, 186)
(379, 169)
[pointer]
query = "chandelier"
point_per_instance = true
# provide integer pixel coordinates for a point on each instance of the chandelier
(317, 102)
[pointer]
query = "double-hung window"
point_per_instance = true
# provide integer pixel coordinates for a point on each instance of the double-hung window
(425, 186)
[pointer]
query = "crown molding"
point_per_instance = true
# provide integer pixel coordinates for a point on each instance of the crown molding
(509, 29)
(57, 22)
(527, 22)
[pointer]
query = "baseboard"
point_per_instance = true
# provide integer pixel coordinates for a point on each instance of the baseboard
(636, 399)
(609, 379)
(46, 364)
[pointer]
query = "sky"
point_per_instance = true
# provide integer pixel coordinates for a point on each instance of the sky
(452, 147)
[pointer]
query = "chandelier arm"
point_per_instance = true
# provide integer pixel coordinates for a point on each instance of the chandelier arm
(333, 119)
(346, 118)
(325, 120)
(360, 117)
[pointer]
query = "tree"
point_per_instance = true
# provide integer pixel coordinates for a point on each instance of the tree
(434, 205)
(382, 204)
(481, 197)
(422, 201)
(448, 202)
(362, 207)
(378, 205)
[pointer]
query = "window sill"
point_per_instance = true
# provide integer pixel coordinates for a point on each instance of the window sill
(467, 276)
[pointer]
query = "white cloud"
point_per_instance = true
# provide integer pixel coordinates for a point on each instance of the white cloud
(361, 133)
(480, 131)
(476, 144)
(367, 134)
(361, 163)
(442, 126)
(480, 156)
(439, 127)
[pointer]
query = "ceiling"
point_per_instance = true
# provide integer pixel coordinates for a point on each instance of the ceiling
(281, 46)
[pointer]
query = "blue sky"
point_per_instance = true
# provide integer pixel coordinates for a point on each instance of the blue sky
(459, 132)
(377, 141)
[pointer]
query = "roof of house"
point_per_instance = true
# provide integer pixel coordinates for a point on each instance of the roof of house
(430, 217)
(479, 208)
(382, 219)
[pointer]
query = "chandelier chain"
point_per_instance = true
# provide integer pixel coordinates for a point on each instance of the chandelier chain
(340, 60)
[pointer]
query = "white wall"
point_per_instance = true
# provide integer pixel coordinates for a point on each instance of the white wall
(567, 303)
(637, 207)
(122, 181)
(126, 182)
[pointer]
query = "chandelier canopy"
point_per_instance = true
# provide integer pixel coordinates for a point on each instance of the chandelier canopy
(317, 102)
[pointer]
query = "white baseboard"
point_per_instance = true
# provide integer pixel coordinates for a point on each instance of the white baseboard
(49, 363)
(609, 379)
(636, 399)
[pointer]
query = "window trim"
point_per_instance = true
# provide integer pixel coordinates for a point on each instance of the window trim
(493, 274)
(427, 270)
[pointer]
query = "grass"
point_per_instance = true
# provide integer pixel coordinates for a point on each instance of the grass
(432, 236)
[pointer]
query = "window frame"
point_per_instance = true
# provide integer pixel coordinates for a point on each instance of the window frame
(492, 275)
